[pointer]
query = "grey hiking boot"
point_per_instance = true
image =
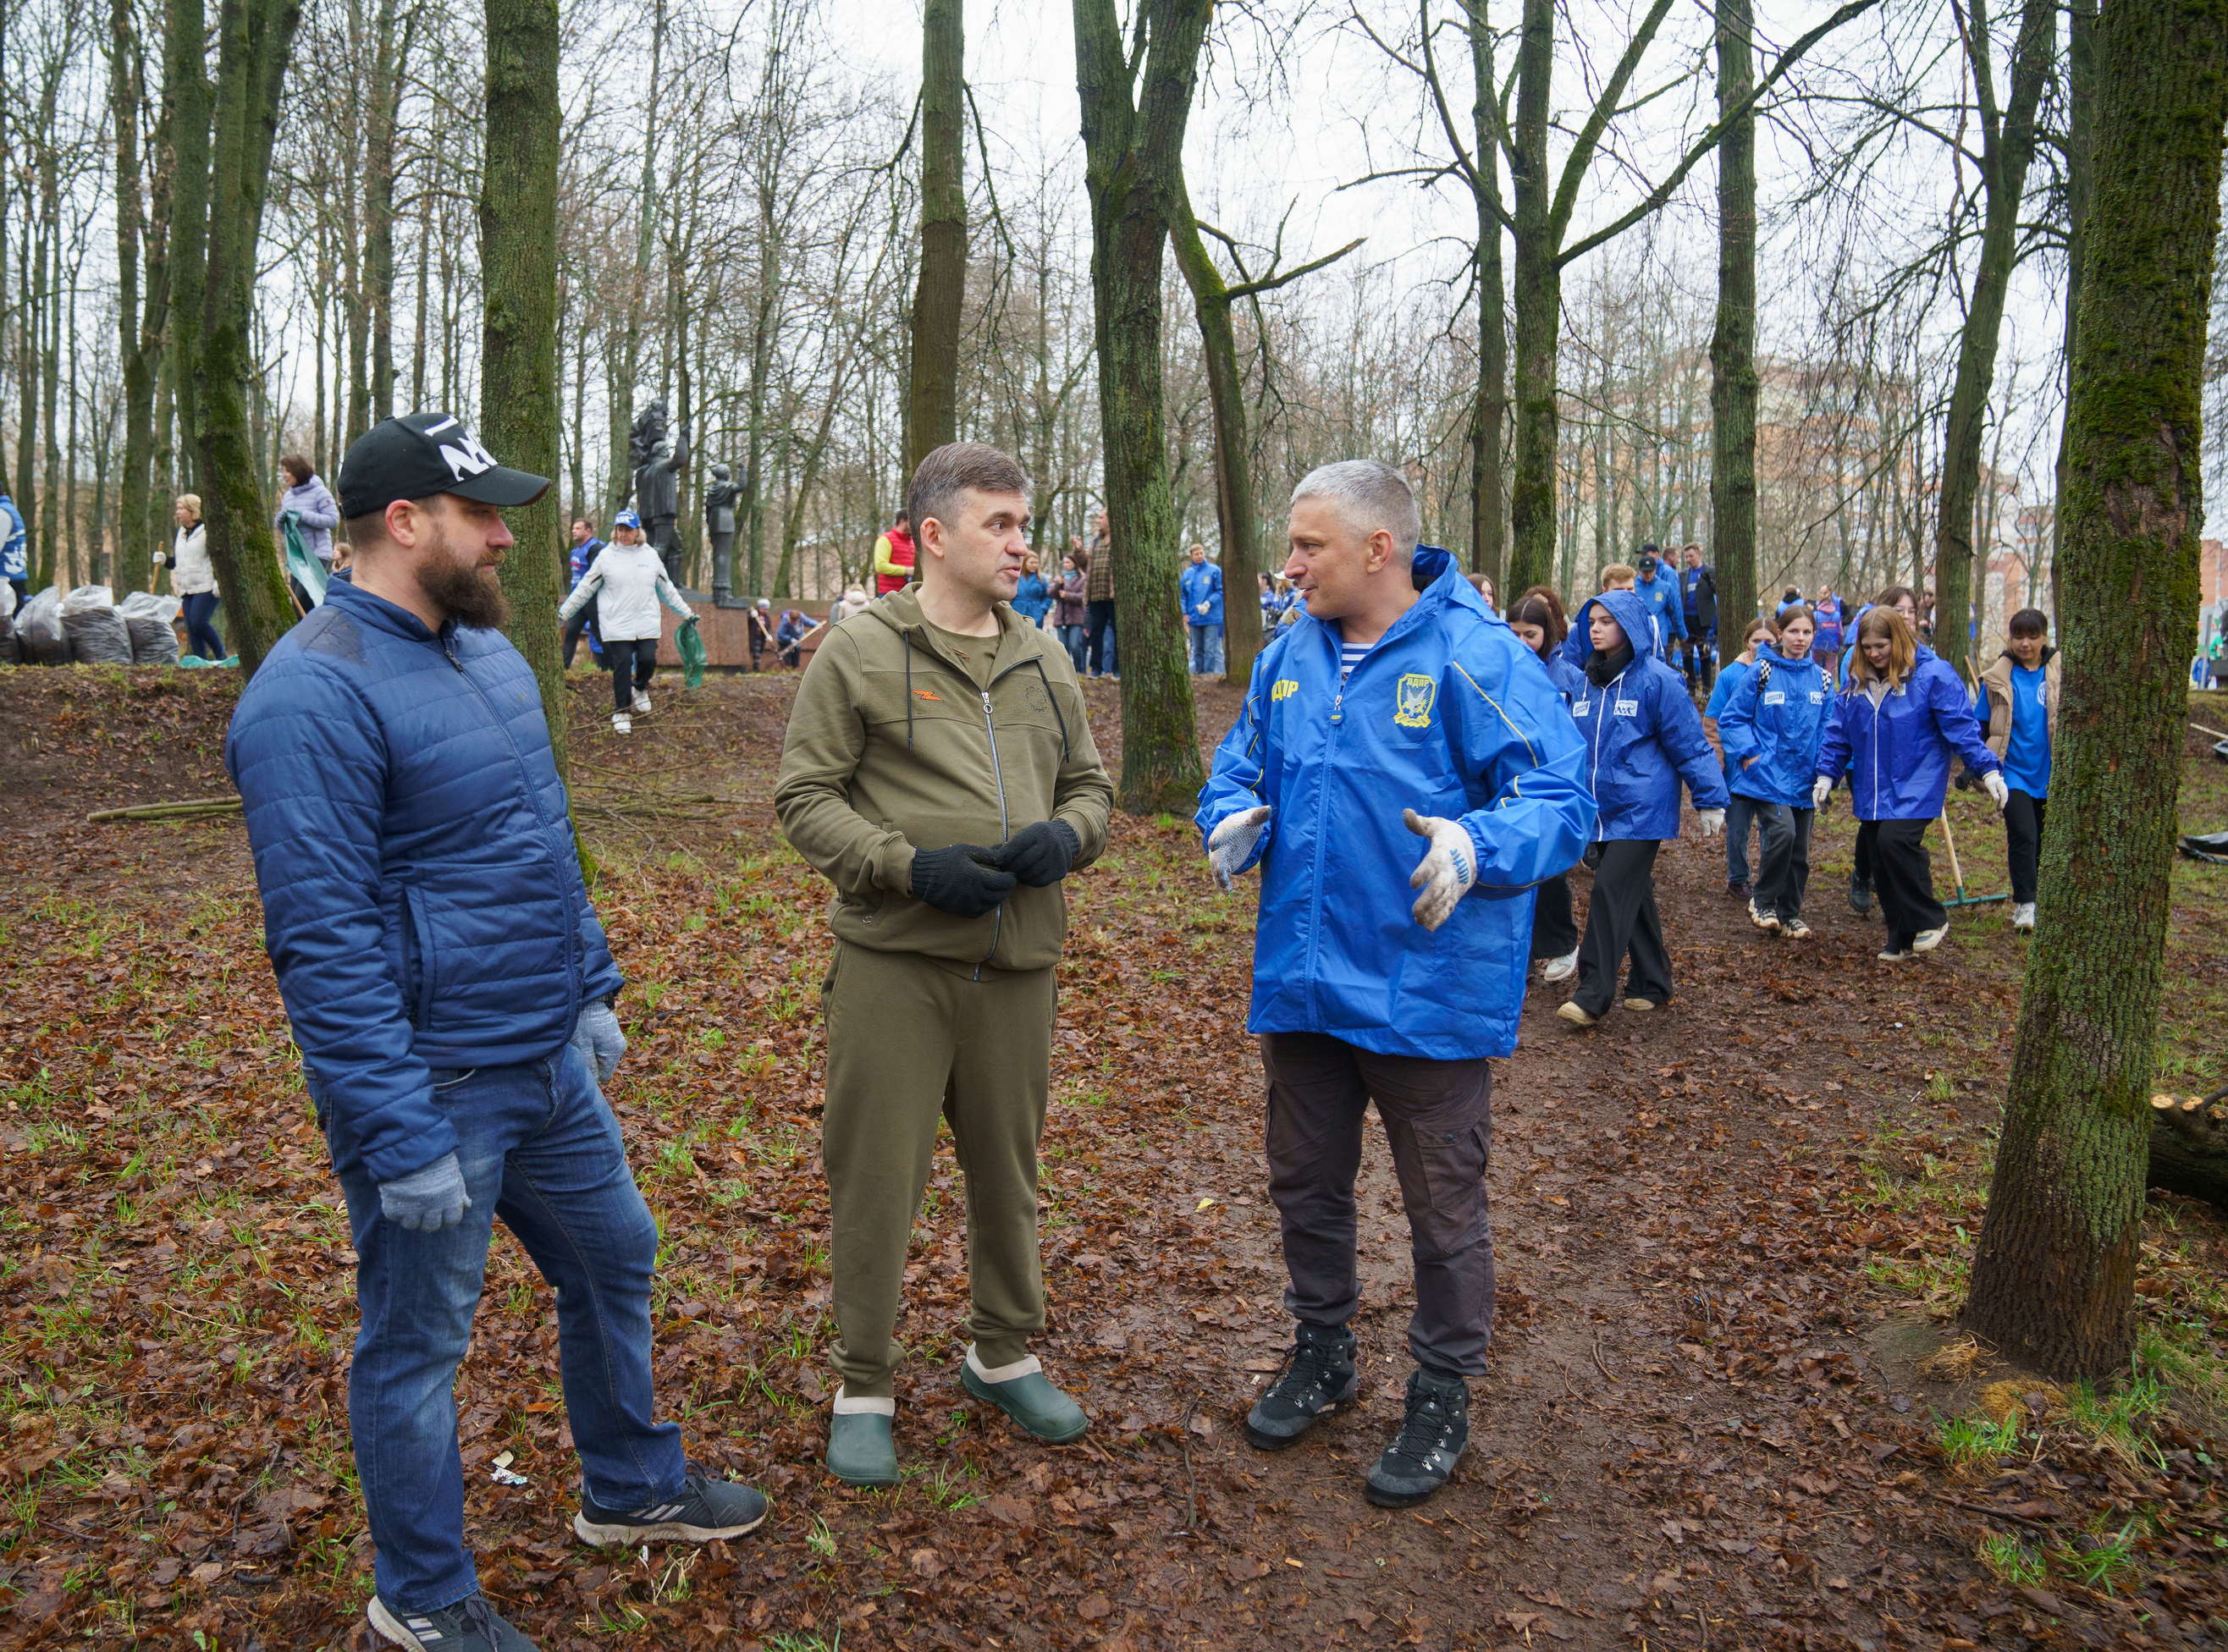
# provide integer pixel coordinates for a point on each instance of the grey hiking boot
(703, 1510)
(1429, 1445)
(470, 1625)
(1319, 1377)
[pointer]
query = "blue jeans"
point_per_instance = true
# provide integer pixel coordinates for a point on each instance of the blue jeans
(202, 637)
(1740, 814)
(539, 1149)
(1205, 650)
(1071, 638)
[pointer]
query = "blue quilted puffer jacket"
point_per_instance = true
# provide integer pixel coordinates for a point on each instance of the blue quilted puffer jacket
(422, 899)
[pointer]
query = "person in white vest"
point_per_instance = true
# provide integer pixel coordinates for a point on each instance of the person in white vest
(627, 581)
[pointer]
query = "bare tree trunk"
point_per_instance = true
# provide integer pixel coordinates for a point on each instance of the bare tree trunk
(1732, 346)
(380, 121)
(1234, 505)
(2007, 147)
(2053, 1277)
(1488, 484)
(1539, 292)
(518, 371)
(255, 40)
(187, 99)
(2080, 183)
(1133, 160)
(134, 548)
(932, 405)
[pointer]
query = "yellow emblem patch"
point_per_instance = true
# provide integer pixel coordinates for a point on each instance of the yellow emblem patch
(1415, 695)
(1284, 688)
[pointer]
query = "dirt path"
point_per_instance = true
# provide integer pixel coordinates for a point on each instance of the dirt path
(1691, 1436)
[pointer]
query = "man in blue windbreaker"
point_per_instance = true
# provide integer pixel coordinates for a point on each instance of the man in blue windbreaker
(1201, 583)
(1658, 588)
(448, 986)
(1398, 708)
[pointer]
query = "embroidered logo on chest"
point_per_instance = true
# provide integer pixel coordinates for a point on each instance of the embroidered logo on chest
(1413, 700)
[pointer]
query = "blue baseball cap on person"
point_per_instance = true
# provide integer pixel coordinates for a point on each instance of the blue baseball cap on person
(626, 518)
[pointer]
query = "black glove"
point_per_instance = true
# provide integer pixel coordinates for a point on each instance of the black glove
(960, 880)
(1039, 855)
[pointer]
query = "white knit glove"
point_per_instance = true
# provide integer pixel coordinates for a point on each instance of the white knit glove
(1230, 847)
(1448, 871)
(1712, 821)
(1999, 792)
(1820, 789)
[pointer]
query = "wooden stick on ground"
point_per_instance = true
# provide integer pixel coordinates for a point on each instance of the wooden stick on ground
(183, 809)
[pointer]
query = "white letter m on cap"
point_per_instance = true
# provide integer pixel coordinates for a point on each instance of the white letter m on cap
(471, 458)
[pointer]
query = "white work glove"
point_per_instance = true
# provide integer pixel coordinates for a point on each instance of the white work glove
(1712, 821)
(1820, 789)
(1999, 793)
(1448, 870)
(596, 1035)
(1230, 844)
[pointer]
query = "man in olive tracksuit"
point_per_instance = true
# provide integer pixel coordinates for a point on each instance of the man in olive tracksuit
(940, 770)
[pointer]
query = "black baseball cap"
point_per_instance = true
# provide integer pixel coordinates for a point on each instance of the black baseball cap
(422, 454)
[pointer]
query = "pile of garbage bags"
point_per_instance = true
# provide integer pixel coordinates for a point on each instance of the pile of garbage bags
(88, 627)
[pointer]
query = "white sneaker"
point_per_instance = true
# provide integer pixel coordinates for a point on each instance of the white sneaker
(1794, 929)
(621, 723)
(1561, 969)
(641, 700)
(2023, 915)
(1578, 1017)
(1927, 939)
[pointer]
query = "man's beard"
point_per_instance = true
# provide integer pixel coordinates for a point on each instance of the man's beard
(462, 591)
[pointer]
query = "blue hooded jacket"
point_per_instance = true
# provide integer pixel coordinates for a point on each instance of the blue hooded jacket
(1897, 753)
(1666, 604)
(15, 542)
(1777, 715)
(1448, 714)
(422, 900)
(1201, 582)
(1641, 734)
(1033, 597)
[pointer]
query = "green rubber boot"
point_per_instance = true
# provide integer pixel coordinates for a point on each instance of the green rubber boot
(1021, 1390)
(859, 1450)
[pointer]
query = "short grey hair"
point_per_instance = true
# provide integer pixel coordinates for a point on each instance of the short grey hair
(1371, 495)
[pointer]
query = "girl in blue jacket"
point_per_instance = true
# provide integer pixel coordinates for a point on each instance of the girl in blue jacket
(1771, 733)
(1537, 619)
(1740, 812)
(1642, 736)
(1894, 733)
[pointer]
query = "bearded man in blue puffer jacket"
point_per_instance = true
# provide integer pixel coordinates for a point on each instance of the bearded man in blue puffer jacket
(449, 987)
(1400, 707)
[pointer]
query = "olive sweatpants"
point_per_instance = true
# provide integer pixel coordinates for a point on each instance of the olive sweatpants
(912, 1040)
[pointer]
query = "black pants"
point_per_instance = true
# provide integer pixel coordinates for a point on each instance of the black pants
(1100, 648)
(1554, 932)
(1621, 921)
(1861, 864)
(632, 664)
(1785, 871)
(1438, 1117)
(1902, 878)
(1701, 664)
(573, 627)
(2023, 815)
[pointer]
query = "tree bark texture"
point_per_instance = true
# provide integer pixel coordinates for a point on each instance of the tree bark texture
(188, 100)
(1234, 504)
(2189, 1147)
(1133, 151)
(518, 279)
(939, 299)
(2080, 180)
(2008, 139)
(1489, 504)
(1539, 293)
(255, 40)
(2053, 1277)
(1733, 385)
(135, 349)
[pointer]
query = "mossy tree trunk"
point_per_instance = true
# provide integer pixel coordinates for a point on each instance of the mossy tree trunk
(187, 102)
(2053, 1278)
(255, 40)
(1733, 344)
(1488, 478)
(932, 401)
(137, 343)
(518, 276)
(2007, 142)
(1133, 137)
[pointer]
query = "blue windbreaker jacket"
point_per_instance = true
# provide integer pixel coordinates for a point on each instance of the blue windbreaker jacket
(1641, 734)
(422, 900)
(1896, 753)
(1201, 582)
(1450, 715)
(1566, 678)
(1666, 604)
(1033, 597)
(15, 542)
(1777, 715)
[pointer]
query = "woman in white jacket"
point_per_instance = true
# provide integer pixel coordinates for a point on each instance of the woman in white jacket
(627, 581)
(193, 581)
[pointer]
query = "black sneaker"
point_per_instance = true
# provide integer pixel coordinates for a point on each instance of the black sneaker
(1319, 1377)
(1429, 1444)
(1860, 895)
(470, 1625)
(704, 1509)
(1737, 890)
